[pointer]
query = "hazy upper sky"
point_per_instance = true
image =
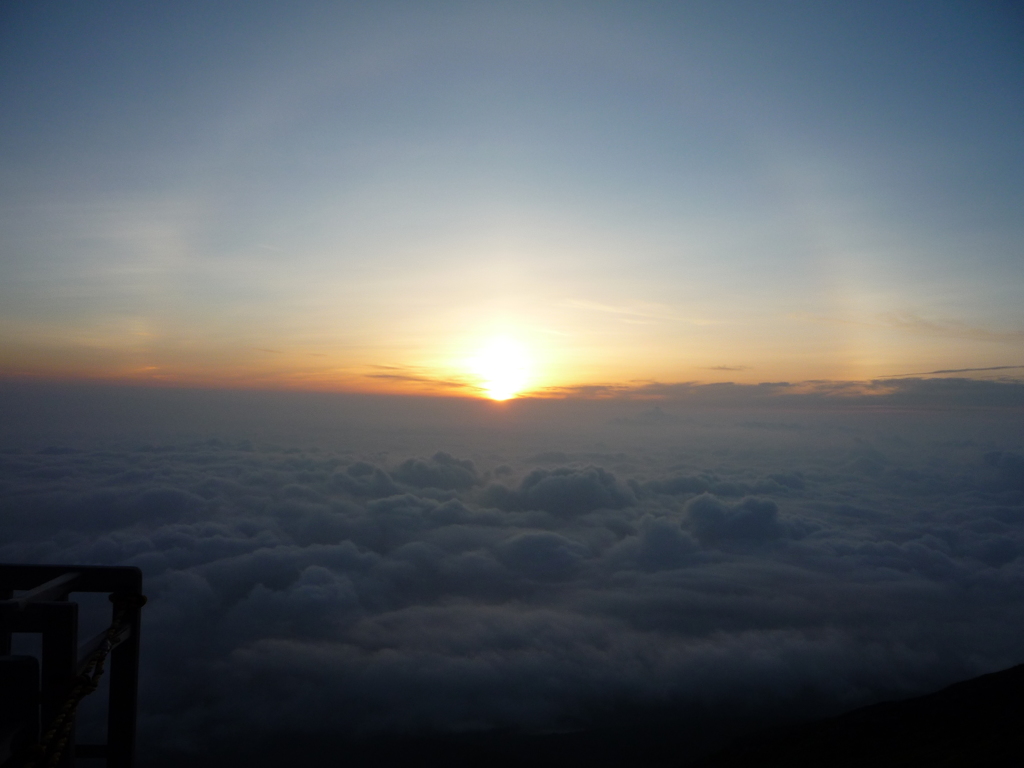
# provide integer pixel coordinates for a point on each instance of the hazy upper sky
(429, 196)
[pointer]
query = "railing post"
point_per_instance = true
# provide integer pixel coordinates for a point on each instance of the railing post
(19, 704)
(59, 659)
(5, 635)
(124, 685)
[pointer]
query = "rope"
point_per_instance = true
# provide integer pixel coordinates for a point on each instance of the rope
(51, 746)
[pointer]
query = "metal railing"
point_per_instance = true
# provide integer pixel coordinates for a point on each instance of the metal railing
(38, 697)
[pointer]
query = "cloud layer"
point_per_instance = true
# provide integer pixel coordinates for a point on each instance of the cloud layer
(781, 566)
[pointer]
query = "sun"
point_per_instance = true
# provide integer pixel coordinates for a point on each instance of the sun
(503, 368)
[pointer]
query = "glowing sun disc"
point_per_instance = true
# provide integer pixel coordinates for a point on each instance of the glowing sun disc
(503, 368)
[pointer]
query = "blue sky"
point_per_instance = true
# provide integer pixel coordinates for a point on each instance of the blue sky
(318, 195)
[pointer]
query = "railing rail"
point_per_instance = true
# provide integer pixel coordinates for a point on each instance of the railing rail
(43, 608)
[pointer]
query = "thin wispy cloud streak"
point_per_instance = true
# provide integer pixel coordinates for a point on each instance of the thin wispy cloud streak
(956, 370)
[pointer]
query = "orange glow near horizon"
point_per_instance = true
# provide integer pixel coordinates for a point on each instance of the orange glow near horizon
(497, 358)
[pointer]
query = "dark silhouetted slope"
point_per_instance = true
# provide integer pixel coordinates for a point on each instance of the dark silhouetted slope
(979, 722)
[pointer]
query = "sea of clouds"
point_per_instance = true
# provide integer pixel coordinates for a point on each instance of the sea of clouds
(355, 567)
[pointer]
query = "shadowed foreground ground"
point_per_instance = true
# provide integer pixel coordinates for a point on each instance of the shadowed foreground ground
(979, 722)
(974, 723)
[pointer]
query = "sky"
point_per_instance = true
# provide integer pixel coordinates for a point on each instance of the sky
(509, 198)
